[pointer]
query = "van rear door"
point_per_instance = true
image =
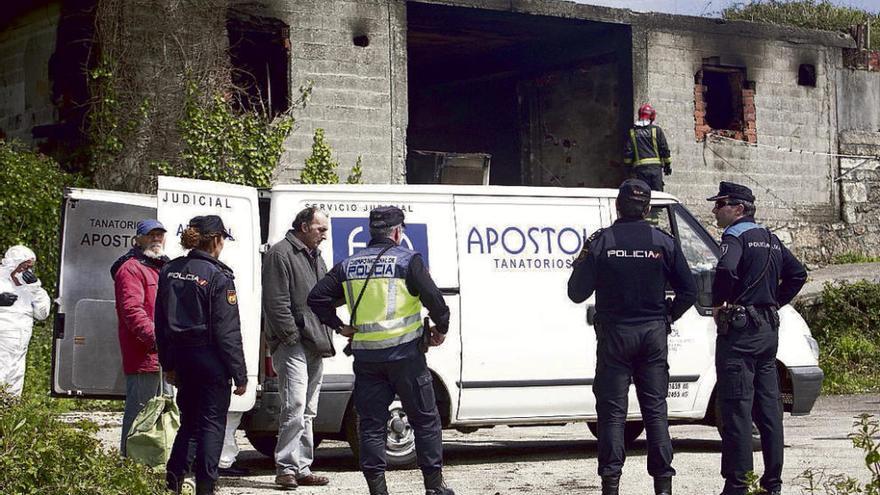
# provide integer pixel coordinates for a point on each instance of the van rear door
(97, 227)
(238, 206)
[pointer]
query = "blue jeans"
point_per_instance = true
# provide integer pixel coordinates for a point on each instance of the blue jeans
(139, 389)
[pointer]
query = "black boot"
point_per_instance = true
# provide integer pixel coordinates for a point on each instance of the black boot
(434, 484)
(377, 484)
(663, 485)
(173, 483)
(204, 487)
(611, 485)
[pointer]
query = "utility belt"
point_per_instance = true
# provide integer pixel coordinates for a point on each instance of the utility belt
(736, 317)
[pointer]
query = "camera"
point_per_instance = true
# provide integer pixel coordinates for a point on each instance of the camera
(732, 317)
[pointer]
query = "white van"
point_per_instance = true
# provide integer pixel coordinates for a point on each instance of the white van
(518, 351)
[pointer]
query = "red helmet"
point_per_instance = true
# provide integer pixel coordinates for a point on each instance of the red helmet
(647, 112)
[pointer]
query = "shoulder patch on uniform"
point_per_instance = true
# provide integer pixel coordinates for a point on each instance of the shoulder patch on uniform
(723, 249)
(231, 297)
(585, 249)
(595, 235)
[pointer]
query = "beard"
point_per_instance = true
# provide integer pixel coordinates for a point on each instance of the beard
(154, 251)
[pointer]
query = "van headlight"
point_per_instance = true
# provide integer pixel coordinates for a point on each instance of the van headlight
(814, 346)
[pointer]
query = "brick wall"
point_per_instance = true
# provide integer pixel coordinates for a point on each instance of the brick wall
(357, 90)
(790, 186)
(25, 89)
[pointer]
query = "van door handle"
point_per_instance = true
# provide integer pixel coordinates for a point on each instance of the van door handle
(591, 314)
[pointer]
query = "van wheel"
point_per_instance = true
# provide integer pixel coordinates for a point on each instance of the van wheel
(631, 431)
(719, 425)
(400, 442)
(263, 441)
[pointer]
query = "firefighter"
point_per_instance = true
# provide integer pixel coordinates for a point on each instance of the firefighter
(645, 150)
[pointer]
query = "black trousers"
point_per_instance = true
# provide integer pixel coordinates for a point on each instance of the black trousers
(748, 388)
(203, 396)
(632, 352)
(652, 174)
(375, 385)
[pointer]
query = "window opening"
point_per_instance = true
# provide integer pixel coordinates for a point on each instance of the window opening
(724, 103)
(259, 51)
(807, 75)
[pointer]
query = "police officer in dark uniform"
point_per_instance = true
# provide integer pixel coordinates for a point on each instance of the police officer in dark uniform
(198, 335)
(755, 276)
(384, 287)
(629, 265)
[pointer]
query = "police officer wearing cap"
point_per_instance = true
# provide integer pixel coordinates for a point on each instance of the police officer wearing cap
(629, 265)
(384, 287)
(198, 334)
(756, 275)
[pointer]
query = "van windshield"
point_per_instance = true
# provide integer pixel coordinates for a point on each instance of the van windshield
(700, 256)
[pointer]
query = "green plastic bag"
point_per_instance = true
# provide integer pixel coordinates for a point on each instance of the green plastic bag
(152, 433)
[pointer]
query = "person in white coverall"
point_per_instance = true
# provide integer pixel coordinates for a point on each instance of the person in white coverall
(22, 300)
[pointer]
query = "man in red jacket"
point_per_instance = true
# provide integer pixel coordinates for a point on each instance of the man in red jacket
(135, 277)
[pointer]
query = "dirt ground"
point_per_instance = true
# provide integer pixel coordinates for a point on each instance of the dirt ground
(562, 460)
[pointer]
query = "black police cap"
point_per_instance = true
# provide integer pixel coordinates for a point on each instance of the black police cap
(386, 216)
(732, 190)
(634, 190)
(210, 224)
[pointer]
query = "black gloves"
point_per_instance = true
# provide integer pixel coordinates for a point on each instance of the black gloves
(7, 298)
(29, 277)
(667, 169)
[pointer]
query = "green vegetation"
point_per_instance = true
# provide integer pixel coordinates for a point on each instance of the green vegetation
(853, 257)
(39, 455)
(865, 437)
(847, 327)
(810, 14)
(31, 188)
(222, 144)
(321, 166)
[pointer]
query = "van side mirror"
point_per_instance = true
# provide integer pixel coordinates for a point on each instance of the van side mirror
(704, 281)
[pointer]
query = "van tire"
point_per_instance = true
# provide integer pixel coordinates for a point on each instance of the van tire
(632, 430)
(263, 441)
(400, 448)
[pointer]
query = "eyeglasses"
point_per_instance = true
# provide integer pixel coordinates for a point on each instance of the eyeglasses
(721, 203)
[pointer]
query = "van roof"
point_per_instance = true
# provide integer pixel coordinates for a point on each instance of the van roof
(530, 191)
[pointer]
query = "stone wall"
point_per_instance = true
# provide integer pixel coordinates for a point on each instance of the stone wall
(25, 89)
(789, 185)
(359, 95)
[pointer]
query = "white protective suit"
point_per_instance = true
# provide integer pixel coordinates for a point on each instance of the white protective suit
(17, 321)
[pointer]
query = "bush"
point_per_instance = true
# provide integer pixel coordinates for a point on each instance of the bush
(810, 14)
(847, 326)
(43, 456)
(321, 167)
(31, 188)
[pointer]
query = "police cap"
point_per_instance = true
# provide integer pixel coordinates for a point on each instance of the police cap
(732, 190)
(634, 190)
(386, 216)
(210, 224)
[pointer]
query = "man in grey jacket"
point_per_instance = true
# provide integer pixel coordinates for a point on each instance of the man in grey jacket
(298, 342)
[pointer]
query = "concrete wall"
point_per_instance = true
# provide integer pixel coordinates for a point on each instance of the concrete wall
(25, 88)
(790, 186)
(858, 100)
(359, 95)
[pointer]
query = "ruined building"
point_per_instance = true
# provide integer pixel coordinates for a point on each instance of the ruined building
(546, 88)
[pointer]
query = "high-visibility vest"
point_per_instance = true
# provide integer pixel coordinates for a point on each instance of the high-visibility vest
(388, 315)
(650, 160)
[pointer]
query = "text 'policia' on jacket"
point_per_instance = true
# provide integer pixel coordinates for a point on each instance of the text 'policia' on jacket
(388, 316)
(201, 309)
(646, 146)
(744, 249)
(631, 261)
